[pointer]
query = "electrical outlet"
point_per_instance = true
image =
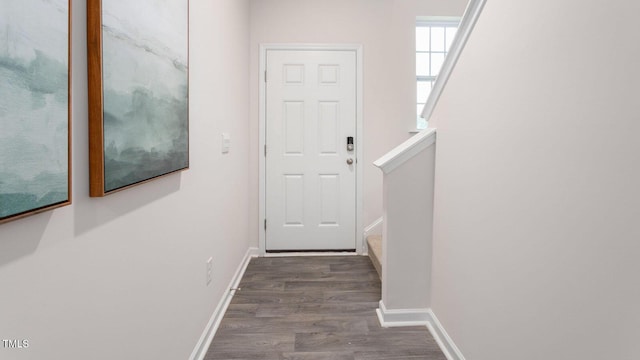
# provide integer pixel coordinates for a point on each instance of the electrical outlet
(209, 270)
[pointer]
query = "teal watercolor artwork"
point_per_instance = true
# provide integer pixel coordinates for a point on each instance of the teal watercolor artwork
(34, 107)
(144, 81)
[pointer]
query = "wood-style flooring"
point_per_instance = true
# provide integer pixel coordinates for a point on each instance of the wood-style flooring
(314, 308)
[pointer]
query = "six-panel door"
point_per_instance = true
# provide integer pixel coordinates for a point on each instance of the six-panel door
(310, 186)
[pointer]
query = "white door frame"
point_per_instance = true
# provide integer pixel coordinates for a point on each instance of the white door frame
(359, 138)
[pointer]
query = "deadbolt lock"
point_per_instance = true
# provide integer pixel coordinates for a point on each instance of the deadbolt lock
(350, 146)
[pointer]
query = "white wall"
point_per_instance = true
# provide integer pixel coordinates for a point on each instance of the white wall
(407, 232)
(386, 29)
(123, 277)
(536, 240)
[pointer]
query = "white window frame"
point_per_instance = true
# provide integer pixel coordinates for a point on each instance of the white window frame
(468, 22)
(430, 22)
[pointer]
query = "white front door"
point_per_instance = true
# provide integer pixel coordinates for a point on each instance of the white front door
(310, 172)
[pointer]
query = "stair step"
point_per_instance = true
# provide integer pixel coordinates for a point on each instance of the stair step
(375, 252)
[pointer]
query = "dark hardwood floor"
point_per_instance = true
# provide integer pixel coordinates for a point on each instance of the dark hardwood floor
(314, 308)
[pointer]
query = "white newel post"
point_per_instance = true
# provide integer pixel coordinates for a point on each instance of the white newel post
(408, 186)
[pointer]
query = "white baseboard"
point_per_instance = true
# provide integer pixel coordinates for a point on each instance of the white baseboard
(420, 317)
(209, 332)
(319, 253)
(448, 347)
(402, 317)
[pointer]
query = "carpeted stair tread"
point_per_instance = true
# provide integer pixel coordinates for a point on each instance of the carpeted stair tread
(375, 252)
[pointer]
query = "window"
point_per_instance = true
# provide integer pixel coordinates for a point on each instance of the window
(433, 40)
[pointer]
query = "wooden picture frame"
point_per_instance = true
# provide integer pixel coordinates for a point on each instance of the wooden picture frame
(35, 107)
(138, 56)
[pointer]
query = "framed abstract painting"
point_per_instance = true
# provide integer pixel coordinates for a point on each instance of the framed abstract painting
(138, 91)
(35, 116)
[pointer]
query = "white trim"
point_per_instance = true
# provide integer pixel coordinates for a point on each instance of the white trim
(448, 347)
(469, 19)
(402, 317)
(421, 317)
(360, 148)
(262, 191)
(375, 228)
(359, 134)
(306, 254)
(210, 330)
(405, 151)
(428, 20)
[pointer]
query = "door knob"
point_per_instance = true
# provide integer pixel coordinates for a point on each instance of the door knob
(349, 161)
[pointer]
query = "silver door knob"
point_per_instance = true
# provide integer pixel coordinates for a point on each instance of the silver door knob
(349, 161)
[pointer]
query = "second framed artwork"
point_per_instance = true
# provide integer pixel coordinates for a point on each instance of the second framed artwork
(138, 91)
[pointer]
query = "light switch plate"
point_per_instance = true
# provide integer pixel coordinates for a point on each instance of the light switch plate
(226, 142)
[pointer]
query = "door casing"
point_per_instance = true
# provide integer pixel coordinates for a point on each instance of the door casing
(359, 135)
